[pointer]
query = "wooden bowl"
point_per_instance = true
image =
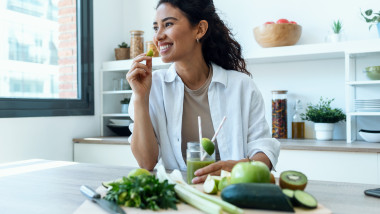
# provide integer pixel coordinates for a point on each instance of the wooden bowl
(275, 35)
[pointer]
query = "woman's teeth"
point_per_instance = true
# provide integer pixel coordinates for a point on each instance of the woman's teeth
(164, 47)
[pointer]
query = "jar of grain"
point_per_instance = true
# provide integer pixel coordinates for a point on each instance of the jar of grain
(150, 45)
(137, 43)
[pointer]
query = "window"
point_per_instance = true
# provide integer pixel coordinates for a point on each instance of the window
(46, 59)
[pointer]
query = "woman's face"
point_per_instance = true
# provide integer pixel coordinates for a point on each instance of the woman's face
(174, 36)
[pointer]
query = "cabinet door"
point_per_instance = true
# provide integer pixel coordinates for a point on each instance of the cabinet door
(110, 154)
(353, 167)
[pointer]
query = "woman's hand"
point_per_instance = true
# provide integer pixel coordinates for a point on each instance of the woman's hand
(213, 169)
(140, 76)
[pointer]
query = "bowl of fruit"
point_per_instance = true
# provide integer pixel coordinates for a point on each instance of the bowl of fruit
(281, 33)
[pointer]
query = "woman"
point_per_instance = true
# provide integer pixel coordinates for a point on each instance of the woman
(208, 78)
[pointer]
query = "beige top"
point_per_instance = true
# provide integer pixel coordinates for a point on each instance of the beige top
(195, 103)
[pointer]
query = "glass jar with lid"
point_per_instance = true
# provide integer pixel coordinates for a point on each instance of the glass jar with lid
(137, 43)
(194, 159)
(279, 114)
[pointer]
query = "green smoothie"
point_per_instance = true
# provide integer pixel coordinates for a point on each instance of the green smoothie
(193, 164)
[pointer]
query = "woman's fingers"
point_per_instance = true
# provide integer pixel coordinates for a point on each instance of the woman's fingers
(135, 74)
(201, 179)
(209, 169)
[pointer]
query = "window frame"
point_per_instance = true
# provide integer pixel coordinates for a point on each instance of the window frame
(26, 107)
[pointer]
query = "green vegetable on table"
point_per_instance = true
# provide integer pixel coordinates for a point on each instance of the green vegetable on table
(143, 191)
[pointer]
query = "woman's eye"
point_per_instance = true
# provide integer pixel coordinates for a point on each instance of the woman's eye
(168, 24)
(155, 29)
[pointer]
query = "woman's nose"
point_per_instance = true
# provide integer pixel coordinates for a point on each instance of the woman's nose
(160, 35)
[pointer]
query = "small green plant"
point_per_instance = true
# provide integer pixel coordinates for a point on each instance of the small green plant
(337, 26)
(371, 17)
(125, 101)
(323, 113)
(123, 45)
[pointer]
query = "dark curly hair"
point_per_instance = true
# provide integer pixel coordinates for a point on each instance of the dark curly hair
(218, 44)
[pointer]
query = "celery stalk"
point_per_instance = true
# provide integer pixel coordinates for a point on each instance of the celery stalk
(230, 208)
(196, 201)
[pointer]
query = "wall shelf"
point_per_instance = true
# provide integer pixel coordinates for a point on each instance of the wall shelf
(372, 82)
(118, 92)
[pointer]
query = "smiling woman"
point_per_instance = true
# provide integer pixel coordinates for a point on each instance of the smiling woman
(41, 73)
(207, 69)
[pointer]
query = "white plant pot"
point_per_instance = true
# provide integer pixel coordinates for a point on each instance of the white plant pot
(335, 37)
(124, 108)
(324, 131)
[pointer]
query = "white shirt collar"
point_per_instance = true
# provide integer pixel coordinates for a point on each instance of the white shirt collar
(219, 74)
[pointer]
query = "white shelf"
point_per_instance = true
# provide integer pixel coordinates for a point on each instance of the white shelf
(115, 115)
(118, 92)
(363, 114)
(370, 82)
(314, 51)
(125, 65)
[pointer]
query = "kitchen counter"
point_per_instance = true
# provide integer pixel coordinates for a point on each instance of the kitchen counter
(335, 145)
(286, 144)
(43, 186)
(103, 140)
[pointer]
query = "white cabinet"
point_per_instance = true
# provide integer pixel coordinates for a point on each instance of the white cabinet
(109, 154)
(358, 86)
(111, 95)
(353, 167)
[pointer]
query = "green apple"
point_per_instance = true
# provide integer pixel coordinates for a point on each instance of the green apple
(137, 172)
(250, 172)
(210, 186)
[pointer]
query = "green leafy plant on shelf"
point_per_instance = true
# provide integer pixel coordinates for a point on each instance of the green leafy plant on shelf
(123, 45)
(337, 26)
(371, 17)
(125, 101)
(323, 113)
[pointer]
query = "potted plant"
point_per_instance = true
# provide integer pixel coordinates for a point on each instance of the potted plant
(122, 52)
(373, 19)
(324, 118)
(124, 105)
(337, 29)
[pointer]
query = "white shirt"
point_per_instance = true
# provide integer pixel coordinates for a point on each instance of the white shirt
(231, 94)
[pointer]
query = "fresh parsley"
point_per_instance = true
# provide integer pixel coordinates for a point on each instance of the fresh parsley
(143, 191)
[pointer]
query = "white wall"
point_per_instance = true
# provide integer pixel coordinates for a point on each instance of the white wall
(306, 80)
(51, 137)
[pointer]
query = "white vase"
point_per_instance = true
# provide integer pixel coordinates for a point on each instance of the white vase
(124, 108)
(324, 131)
(335, 37)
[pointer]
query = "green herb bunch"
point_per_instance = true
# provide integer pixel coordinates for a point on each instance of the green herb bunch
(123, 45)
(323, 113)
(371, 17)
(143, 191)
(337, 26)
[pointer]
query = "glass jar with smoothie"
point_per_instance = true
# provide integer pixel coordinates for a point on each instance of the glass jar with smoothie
(193, 159)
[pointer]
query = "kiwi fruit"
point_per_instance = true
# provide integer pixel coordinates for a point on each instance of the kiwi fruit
(293, 180)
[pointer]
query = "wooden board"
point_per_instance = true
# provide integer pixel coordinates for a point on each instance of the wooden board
(90, 207)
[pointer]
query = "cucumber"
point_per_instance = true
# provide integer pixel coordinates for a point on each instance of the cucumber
(290, 194)
(257, 196)
(305, 199)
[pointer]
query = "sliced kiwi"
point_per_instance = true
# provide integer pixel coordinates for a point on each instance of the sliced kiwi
(305, 199)
(293, 180)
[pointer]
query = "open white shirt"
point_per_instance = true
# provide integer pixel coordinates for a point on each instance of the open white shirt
(231, 94)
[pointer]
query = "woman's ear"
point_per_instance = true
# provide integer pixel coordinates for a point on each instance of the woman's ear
(202, 29)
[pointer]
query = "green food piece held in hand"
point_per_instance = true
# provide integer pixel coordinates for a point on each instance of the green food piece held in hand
(150, 53)
(208, 146)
